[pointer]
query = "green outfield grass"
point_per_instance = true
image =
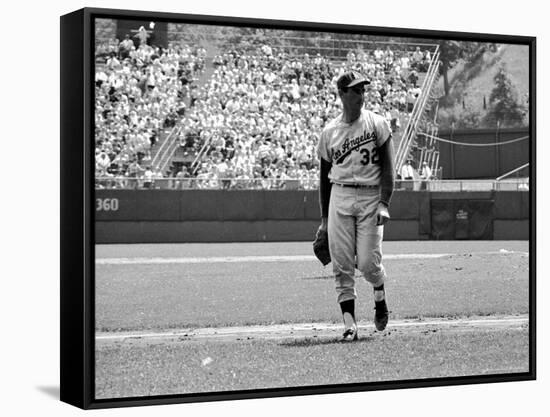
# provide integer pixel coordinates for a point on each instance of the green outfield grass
(126, 369)
(152, 297)
(474, 279)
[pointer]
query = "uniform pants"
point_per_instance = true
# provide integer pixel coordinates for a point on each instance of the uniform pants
(352, 232)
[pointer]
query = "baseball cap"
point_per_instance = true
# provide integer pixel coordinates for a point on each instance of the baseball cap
(351, 78)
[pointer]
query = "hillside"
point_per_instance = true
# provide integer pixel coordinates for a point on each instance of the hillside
(471, 83)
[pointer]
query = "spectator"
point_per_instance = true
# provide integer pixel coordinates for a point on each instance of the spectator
(126, 46)
(425, 174)
(417, 57)
(394, 119)
(426, 58)
(102, 162)
(222, 171)
(202, 178)
(120, 180)
(148, 178)
(416, 91)
(264, 153)
(407, 171)
(413, 78)
(158, 178)
(182, 179)
(405, 62)
(411, 99)
(407, 174)
(134, 173)
(113, 63)
(142, 36)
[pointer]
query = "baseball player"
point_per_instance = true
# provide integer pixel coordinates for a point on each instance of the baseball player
(356, 185)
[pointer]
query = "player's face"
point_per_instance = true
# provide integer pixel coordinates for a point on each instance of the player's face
(354, 96)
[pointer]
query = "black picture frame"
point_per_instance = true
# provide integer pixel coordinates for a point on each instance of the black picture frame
(77, 355)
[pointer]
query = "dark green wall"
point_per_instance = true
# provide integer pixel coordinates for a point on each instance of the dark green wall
(167, 216)
(473, 162)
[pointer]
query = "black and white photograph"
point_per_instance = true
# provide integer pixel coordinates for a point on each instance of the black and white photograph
(284, 208)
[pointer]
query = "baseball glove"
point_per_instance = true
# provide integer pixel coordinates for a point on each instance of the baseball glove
(320, 247)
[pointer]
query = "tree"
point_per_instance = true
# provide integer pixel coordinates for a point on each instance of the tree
(470, 119)
(450, 52)
(504, 107)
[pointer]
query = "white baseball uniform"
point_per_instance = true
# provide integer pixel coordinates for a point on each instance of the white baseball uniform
(352, 149)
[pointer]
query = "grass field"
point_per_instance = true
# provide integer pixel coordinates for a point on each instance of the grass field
(215, 317)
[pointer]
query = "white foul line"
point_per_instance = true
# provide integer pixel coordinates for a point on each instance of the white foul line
(305, 329)
(274, 258)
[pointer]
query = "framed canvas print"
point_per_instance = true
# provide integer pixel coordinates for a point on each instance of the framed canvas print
(258, 208)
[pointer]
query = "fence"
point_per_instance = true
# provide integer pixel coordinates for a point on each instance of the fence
(124, 183)
(168, 216)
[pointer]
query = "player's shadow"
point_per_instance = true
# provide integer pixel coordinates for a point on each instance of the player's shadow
(313, 341)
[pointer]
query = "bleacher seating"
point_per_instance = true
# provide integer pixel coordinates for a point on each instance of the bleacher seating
(138, 92)
(257, 117)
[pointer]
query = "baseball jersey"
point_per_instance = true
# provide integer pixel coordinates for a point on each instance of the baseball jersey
(352, 149)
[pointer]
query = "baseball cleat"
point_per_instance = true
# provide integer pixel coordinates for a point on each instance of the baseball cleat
(350, 335)
(381, 315)
(350, 332)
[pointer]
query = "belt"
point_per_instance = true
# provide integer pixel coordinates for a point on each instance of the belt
(357, 185)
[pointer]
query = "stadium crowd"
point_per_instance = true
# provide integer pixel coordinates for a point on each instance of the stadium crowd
(138, 91)
(258, 117)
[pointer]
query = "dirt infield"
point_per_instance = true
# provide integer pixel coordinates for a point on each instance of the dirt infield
(174, 319)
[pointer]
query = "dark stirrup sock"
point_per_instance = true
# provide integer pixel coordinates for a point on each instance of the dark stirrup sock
(348, 306)
(379, 294)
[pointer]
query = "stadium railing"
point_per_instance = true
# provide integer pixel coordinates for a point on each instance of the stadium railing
(521, 184)
(164, 148)
(409, 135)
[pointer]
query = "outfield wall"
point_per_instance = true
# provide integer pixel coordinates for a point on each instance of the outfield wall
(167, 216)
(473, 162)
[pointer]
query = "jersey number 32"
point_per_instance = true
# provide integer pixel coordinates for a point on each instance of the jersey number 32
(370, 157)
